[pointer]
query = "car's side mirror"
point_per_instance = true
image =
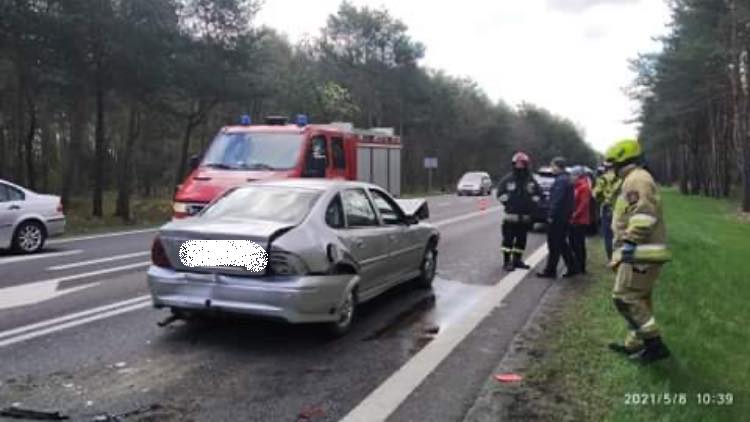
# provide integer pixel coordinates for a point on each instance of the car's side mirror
(411, 220)
(194, 161)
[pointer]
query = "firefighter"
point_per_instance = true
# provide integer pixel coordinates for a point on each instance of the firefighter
(605, 192)
(519, 193)
(640, 252)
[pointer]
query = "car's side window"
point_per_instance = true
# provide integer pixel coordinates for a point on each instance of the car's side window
(389, 210)
(15, 194)
(358, 209)
(4, 197)
(335, 214)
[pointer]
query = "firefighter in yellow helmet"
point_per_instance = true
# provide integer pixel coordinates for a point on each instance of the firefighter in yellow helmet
(640, 252)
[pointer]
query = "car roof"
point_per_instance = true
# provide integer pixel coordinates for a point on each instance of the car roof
(476, 173)
(7, 182)
(315, 183)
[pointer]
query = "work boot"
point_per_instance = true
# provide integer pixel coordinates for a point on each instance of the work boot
(546, 274)
(622, 349)
(518, 262)
(653, 350)
(507, 262)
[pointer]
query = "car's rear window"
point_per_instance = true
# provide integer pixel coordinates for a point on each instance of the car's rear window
(269, 203)
(472, 178)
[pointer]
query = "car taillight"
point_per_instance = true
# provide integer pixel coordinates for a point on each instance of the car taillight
(60, 207)
(159, 255)
(285, 264)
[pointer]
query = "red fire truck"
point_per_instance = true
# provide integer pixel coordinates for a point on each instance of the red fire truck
(246, 152)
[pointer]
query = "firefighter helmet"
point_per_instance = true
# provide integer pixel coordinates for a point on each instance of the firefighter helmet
(623, 152)
(521, 158)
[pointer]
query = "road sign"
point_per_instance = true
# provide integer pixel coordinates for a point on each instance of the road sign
(430, 162)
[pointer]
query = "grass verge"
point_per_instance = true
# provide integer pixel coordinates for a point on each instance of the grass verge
(700, 303)
(145, 212)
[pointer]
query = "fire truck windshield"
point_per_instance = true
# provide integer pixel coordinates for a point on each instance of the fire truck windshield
(254, 151)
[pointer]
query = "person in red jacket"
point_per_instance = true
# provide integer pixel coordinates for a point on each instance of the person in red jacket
(581, 218)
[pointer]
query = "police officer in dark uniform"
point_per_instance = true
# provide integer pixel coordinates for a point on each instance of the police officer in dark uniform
(519, 193)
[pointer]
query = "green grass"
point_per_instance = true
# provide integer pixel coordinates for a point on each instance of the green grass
(701, 303)
(145, 212)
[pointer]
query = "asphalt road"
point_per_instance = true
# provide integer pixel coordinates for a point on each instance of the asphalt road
(78, 335)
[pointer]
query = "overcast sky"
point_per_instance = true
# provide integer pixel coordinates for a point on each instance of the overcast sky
(569, 56)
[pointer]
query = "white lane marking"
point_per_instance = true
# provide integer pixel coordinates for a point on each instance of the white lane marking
(382, 402)
(69, 317)
(469, 216)
(97, 261)
(39, 256)
(41, 291)
(100, 236)
(75, 323)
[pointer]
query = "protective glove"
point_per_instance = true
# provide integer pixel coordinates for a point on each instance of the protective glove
(628, 252)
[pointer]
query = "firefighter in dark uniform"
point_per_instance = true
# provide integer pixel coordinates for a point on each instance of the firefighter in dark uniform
(519, 193)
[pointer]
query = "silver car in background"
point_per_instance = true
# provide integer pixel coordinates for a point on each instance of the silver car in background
(331, 245)
(474, 183)
(28, 218)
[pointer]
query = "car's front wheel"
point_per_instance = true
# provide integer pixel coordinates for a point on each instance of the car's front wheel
(29, 237)
(344, 316)
(428, 268)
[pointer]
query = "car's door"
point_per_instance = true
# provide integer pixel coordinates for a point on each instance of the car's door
(365, 239)
(404, 247)
(11, 202)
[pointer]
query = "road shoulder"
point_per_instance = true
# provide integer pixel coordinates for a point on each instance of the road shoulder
(449, 392)
(529, 399)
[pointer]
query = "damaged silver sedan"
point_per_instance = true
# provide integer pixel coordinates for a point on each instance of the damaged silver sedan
(330, 244)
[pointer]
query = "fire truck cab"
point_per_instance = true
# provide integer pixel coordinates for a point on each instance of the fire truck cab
(246, 152)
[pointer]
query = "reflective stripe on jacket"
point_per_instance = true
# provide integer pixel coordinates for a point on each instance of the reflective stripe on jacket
(637, 218)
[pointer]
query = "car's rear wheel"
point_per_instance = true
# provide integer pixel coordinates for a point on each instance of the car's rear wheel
(344, 316)
(29, 237)
(428, 268)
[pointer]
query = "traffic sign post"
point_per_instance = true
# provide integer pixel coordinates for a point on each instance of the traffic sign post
(430, 163)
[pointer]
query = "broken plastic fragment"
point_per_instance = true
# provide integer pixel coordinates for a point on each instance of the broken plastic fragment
(508, 377)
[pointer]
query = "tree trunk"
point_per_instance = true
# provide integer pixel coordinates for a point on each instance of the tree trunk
(29, 146)
(125, 170)
(19, 130)
(47, 156)
(184, 150)
(99, 151)
(78, 132)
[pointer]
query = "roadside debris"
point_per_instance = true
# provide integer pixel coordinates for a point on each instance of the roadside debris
(508, 377)
(121, 365)
(308, 413)
(168, 320)
(106, 417)
(19, 413)
(433, 329)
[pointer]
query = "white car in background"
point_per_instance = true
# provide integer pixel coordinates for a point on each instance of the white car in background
(28, 218)
(474, 183)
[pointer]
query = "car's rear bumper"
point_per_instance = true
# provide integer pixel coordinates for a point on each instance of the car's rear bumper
(55, 226)
(293, 299)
